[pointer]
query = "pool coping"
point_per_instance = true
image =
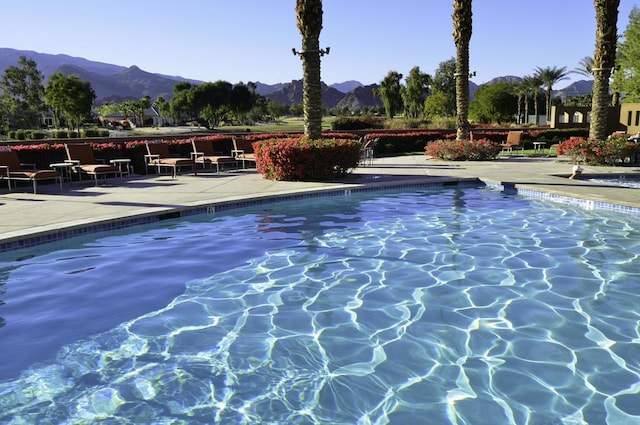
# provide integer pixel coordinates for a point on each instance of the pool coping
(65, 231)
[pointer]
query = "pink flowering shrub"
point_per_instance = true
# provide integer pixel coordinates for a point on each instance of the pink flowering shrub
(613, 151)
(301, 159)
(463, 150)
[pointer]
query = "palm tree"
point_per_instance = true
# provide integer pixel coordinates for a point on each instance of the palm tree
(585, 67)
(532, 84)
(603, 63)
(462, 26)
(309, 20)
(549, 76)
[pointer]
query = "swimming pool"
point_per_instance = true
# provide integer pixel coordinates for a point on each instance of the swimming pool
(450, 305)
(621, 180)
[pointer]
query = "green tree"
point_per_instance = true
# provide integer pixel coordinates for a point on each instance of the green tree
(309, 21)
(139, 107)
(163, 107)
(436, 105)
(549, 76)
(276, 109)
(444, 82)
(494, 103)
(390, 93)
(532, 84)
(626, 79)
(242, 98)
(604, 61)
(585, 67)
(462, 28)
(181, 104)
(414, 92)
(70, 98)
(212, 100)
(22, 94)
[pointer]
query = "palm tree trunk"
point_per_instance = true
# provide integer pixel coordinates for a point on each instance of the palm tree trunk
(309, 20)
(462, 27)
(603, 63)
(311, 89)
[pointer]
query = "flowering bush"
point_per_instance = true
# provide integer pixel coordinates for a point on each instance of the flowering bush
(613, 151)
(296, 159)
(463, 150)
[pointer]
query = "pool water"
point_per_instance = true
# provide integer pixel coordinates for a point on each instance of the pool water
(438, 306)
(622, 180)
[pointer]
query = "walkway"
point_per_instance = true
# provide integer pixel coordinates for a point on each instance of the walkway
(80, 204)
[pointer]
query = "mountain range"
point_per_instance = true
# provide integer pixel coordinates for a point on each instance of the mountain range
(114, 83)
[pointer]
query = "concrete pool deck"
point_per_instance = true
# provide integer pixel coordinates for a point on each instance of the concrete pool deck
(81, 204)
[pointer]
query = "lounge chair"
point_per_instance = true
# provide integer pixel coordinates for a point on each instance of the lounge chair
(514, 141)
(12, 169)
(158, 156)
(243, 150)
(81, 155)
(366, 150)
(205, 154)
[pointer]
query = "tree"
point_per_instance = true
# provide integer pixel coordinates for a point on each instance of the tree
(494, 103)
(309, 21)
(212, 100)
(462, 26)
(436, 105)
(585, 67)
(532, 84)
(389, 91)
(414, 92)
(241, 99)
(604, 61)
(138, 109)
(444, 82)
(626, 79)
(70, 98)
(549, 76)
(22, 94)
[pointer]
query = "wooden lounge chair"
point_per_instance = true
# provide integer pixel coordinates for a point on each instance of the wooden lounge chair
(514, 141)
(12, 169)
(81, 155)
(158, 156)
(243, 150)
(205, 154)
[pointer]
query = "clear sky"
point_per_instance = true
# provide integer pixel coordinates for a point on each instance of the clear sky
(251, 40)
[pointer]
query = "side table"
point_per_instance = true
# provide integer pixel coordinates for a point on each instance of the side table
(64, 168)
(124, 165)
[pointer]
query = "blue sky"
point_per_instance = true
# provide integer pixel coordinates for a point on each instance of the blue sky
(251, 40)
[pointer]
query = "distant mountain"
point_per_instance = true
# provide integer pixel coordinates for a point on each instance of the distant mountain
(347, 86)
(292, 93)
(113, 83)
(359, 98)
(577, 88)
(265, 89)
(503, 79)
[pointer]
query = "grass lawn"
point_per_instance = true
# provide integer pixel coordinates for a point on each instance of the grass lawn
(288, 124)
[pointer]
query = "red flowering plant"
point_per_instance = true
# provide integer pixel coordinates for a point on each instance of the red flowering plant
(302, 159)
(463, 150)
(612, 151)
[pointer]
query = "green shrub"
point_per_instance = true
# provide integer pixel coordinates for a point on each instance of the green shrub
(60, 134)
(301, 159)
(357, 123)
(21, 135)
(463, 150)
(36, 135)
